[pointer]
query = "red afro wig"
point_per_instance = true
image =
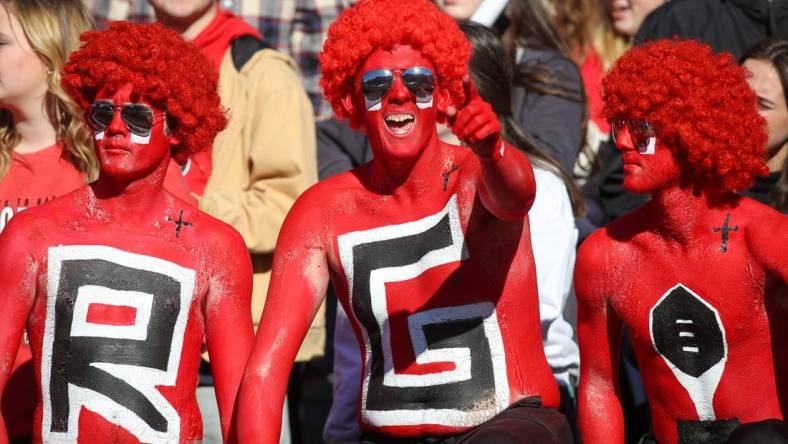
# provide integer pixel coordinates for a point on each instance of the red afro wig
(168, 72)
(700, 105)
(382, 24)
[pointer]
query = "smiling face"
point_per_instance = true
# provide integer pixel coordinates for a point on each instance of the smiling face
(647, 169)
(123, 154)
(400, 124)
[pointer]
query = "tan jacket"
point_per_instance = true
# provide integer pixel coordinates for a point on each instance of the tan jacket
(262, 161)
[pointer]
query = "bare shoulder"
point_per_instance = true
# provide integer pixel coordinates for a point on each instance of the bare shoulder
(592, 254)
(764, 227)
(602, 259)
(39, 222)
(339, 193)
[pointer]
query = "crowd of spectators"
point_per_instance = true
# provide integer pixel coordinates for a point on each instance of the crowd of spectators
(542, 74)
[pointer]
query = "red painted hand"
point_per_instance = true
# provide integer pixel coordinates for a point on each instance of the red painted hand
(475, 123)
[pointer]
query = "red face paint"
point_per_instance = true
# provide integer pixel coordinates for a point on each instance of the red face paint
(123, 154)
(400, 129)
(644, 172)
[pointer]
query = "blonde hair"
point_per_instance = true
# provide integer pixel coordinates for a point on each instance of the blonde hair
(53, 28)
(586, 24)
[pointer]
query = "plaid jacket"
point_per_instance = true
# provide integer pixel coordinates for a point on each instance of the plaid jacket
(295, 27)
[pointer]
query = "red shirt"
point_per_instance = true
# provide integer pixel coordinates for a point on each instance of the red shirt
(35, 178)
(32, 179)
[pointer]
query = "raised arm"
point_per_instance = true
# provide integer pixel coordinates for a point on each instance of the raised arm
(600, 415)
(228, 324)
(508, 187)
(298, 285)
(17, 290)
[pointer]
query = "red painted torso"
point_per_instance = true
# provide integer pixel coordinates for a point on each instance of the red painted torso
(642, 268)
(441, 275)
(118, 311)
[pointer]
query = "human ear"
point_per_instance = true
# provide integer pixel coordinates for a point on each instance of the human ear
(350, 110)
(442, 103)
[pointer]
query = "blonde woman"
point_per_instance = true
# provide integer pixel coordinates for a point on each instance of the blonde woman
(45, 151)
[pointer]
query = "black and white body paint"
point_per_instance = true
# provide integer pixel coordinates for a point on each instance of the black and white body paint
(112, 370)
(688, 333)
(467, 335)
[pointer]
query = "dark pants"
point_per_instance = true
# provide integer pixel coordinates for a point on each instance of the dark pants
(771, 431)
(522, 423)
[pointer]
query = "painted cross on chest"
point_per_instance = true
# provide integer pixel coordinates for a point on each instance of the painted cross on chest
(179, 223)
(447, 174)
(724, 231)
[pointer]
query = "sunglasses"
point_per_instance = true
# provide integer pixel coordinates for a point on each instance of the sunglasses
(138, 118)
(419, 81)
(642, 133)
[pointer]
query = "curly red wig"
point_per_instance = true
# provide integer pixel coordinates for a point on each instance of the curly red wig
(700, 105)
(381, 24)
(168, 72)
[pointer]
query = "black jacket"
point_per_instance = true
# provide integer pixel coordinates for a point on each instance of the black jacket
(726, 25)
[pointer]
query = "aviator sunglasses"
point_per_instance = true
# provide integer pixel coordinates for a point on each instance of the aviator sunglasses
(138, 118)
(419, 81)
(641, 132)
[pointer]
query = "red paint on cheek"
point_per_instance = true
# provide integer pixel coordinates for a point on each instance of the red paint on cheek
(386, 143)
(111, 314)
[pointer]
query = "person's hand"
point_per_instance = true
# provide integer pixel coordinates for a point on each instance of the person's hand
(475, 123)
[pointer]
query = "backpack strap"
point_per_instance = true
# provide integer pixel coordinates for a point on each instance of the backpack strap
(244, 47)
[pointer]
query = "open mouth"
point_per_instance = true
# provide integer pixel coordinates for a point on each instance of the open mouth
(400, 123)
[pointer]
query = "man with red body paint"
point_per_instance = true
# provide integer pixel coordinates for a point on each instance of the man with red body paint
(697, 275)
(119, 284)
(427, 247)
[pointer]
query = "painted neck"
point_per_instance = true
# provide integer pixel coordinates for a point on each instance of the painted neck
(131, 201)
(409, 177)
(33, 125)
(681, 213)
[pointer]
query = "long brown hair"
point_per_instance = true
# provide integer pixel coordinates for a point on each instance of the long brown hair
(492, 74)
(532, 27)
(775, 51)
(52, 27)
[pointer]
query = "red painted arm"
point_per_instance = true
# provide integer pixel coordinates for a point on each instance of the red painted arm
(768, 240)
(17, 290)
(508, 186)
(298, 285)
(228, 324)
(599, 335)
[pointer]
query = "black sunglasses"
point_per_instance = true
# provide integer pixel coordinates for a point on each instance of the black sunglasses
(419, 81)
(138, 118)
(640, 131)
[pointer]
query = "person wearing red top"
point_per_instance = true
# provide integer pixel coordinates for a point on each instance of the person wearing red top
(427, 246)
(120, 284)
(698, 274)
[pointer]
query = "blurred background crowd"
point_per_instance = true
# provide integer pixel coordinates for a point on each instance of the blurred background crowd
(539, 63)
